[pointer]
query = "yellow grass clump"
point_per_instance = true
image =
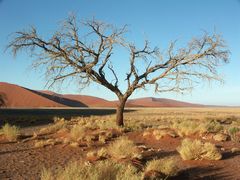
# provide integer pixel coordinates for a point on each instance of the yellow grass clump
(166, 166)
(197, 150)
(59, 123)
(233, 131)
(193, 126)
(77, 132)
(43, 143)
(123, 148)
(10, 132)
(102, 170)
(160, 133)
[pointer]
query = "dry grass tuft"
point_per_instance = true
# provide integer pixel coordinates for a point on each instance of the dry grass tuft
(123, 148)
(232, 131)
(103, 153)
(99, 154)
(102, 138)
(197, 150)
(59, 123)
(190, 127)
(187, 127)
(44, 143)
(46, 175)
(10, 132)
(167, 166)
(78, 132)
(106, 170)
(160, 133)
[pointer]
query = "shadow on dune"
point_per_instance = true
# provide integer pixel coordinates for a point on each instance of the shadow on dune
(3, 100)
(60, 100)
(37, 117)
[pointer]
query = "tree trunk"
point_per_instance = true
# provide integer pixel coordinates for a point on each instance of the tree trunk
(120, 110)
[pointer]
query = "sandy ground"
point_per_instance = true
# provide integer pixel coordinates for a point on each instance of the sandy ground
(23, 161)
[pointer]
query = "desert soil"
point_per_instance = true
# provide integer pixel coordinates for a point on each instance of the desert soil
(22, 160)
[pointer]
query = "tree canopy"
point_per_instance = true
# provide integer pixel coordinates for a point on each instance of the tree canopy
(83, 50)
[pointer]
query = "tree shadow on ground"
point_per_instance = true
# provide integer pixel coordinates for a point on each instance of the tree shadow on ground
(37, 117)
(17, 151)
(229, 155)
(206, 173)
(158, 155)
(191, 173)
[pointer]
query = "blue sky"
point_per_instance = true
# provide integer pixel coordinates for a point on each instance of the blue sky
(160, 21)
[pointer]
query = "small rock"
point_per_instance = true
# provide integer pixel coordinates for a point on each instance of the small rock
(150, 150)
(142, 147)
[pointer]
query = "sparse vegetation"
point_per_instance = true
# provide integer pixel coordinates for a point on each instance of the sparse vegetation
(167, 166)
(123, 148)
(78, 132)
(43, 143)
(194, 126)
(233, 133)
(197, 150)
(107, 170)
(10, 132)
(220, 137)
(159, 133)
(98, 154)
(46, 175)
(188, 127)
(102, 152)
(59, 123)
(104, 143)
(213, 126)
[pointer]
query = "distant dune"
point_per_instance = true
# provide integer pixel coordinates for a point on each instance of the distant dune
(90, 101)
(21, 97)
(17, 96)
(160, 102)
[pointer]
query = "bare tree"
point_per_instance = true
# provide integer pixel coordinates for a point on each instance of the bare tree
(83, 50)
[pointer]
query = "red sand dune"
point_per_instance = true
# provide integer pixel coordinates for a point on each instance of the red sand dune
(160, 102)
(17, 96)
(90, 101)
